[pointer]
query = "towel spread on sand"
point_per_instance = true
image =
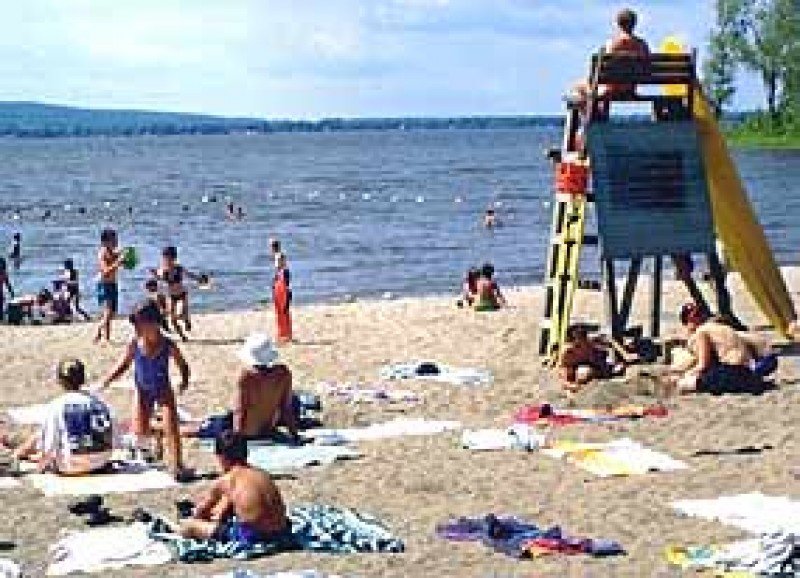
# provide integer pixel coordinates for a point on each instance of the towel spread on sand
(8, 483)
(277, 459)
(754, 513)
(430, 371)
(545, 414)
(518, 436)
(317, 528)
(394, 428)
(28, 414)
(106, 549)
(770, 555)
(128, 477)
(352, 393)
(521, 539)
(622, 457)
(244, 573)
(9, 569)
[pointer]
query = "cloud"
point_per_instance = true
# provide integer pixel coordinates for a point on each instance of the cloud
(312, 58)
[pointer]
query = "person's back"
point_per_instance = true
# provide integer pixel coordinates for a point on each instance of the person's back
(729, 347)
(77, 434)
(264, 397)
(256, 501)
(626, 43)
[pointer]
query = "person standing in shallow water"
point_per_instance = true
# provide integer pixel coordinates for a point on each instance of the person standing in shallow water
(109, 260)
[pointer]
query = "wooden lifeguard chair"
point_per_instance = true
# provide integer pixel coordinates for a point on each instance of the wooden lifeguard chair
(648, 188)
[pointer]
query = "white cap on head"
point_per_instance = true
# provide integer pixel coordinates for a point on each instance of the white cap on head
(258, 351)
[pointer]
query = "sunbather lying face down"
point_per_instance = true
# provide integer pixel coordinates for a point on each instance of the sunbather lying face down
(243, 506)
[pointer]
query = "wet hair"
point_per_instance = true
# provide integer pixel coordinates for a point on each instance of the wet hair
(146, 312)
(487, 270)
(626, 20)
(170, 252)
(17, 236)
(108, 235)
(44, 296)
(151, 285)
(576, 332)
(692, 313)
(232, 446)
(71, 374)
(69, 264)
(275, 245)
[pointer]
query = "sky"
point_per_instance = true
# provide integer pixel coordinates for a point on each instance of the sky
(320, 58)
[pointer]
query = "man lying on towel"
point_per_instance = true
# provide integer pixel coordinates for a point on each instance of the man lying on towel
(263, 400)
(244, 506)
(76, 436)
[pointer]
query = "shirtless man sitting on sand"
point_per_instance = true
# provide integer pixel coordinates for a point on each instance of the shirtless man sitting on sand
(243, 506)
(721, 357)
(263, 398)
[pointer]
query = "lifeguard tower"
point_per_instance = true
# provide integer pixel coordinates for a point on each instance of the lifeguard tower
(645, 179)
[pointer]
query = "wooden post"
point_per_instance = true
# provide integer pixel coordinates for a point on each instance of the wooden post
(655, 297)
(609, 280)
(630, 289)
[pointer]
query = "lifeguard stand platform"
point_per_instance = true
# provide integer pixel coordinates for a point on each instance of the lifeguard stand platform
(648, 189)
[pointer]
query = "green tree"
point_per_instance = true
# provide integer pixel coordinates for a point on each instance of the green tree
(765, 38)
(719, 71)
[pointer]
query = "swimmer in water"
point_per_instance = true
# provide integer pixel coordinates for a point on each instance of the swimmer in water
(489, 219)
(15, 253)
(172, 273)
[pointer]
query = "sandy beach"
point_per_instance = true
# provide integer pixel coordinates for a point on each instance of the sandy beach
(413, 483)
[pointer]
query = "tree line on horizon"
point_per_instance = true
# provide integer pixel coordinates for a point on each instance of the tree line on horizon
(35, 120)
(761, 37)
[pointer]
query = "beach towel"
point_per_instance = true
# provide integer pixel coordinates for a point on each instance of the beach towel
(754, 513)
(127, 477)
(28, 414)
(518, 436)
(243, 573)
(316, 527)
(8, 483)
(545, 414)
(394, 428)
(431, 371)
(352, 393)
(622, 457)
(278, 459)
(520, 539)
(9, 569)
(769, 555)
(106, 549)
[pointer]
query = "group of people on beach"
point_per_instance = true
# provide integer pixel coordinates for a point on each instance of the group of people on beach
(480, 292)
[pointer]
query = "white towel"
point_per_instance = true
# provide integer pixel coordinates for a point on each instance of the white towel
(28, 414)
(105, 549)
(277, 459)
(754, 513)
(395, 428)
(135, 477)
(447, 374)
(518, 436)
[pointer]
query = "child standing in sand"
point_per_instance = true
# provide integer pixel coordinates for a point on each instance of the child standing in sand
(5, 283)
(109, 260)
(150, 353)
(172, 273)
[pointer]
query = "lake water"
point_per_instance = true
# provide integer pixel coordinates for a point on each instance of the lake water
(359, 213)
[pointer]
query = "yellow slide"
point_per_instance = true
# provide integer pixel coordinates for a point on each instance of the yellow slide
(737, 227)
(736, 224)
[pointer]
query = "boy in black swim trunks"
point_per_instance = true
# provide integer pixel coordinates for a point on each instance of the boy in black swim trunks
(173, 273)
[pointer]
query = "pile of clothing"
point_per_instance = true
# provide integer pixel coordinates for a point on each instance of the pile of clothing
(520, 539)
(545, 414)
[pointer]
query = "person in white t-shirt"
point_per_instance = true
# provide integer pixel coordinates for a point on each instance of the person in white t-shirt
(77, 434)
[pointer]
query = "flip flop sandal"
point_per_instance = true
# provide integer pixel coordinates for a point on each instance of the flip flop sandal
(90, 505)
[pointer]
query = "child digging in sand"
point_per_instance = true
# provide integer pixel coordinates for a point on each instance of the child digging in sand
(150, 353)
(585, 359)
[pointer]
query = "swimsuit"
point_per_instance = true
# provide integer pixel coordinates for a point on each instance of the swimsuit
(73, 288)
(174, 277)
(246, 535)
(151, 374)
(108, 295)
